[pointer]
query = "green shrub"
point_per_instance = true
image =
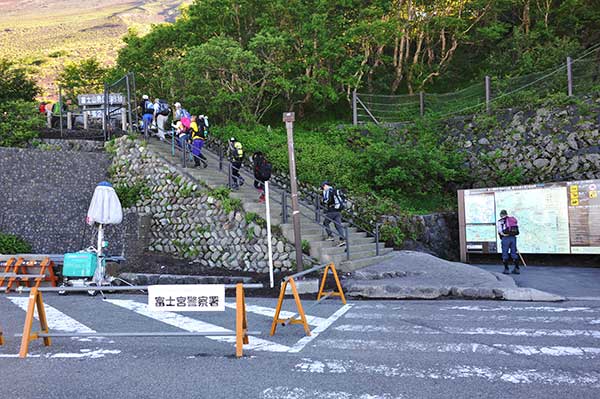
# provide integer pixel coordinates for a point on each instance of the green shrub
(12, 244)
(20, 122)
(130, 194)
(305, 247)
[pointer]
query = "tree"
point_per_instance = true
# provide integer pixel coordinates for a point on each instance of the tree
(15, 84)
(84, 77)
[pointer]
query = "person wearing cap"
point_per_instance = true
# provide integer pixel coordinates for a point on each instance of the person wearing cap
(235, 153)
(332, 214)
(508, 243)
(147, 111)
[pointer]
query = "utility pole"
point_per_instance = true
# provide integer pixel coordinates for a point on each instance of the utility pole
(288, 118)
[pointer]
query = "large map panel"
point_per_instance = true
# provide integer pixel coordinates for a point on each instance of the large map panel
(584, 216)
(543, 218)
(479, 208)
(481, 232)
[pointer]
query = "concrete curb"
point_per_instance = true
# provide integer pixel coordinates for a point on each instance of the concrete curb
(154, 279)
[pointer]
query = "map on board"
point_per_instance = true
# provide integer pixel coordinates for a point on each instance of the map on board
(480, 208)
(584, 216)
(481, 232)
(543, 218)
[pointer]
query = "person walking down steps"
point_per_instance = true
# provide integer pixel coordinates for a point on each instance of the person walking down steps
(262, 173)
(508, 230)
(334, 201)
(199, 135)
(235, 153)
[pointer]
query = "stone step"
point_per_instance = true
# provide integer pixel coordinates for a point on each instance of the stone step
(335, 250)
(352, 265)
(312, 228)
(354, 255)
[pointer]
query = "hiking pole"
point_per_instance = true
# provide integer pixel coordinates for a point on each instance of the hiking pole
(522, 260)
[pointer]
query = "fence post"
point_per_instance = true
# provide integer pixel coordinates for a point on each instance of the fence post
(129, 116)
(376, 239)
(229, 178)
(488, 94)
(49, 119)
(354, 109)
(220, 158)
(183, 148)
(69, 120)
(85, 119)
(60, 106)
(347, 237)
(569, 77)
(421, 103)
(318, 198)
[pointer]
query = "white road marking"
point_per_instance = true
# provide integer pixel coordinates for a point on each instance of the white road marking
(270, 312)
(463, 348)
(519, 309)
(516, 332)
(470, 317)
(320, 328)
(193, 325)
(56, 319)
(299, 393)
(83, 353)
(500, 374)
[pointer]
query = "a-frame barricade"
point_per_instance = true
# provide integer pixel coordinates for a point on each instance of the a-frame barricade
(36, 302)
(320, 296)
(10, 264)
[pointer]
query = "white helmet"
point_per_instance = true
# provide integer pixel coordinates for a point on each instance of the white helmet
(145, 97)
(177, 105)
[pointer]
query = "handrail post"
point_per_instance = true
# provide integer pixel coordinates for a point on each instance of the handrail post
(183, 147)
(284, 206)
(229, 178)
(220, 157)
(318, 199)
(347, 242)
(376, 239)
(172, 143)
(569, 77)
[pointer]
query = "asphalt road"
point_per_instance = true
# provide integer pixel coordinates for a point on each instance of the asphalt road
(370, 349)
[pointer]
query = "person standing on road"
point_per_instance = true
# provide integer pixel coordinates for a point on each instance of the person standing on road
(235, 153)
(508, 230)
(334, 206)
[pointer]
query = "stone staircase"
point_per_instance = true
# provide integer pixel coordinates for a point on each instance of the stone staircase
(362, 248)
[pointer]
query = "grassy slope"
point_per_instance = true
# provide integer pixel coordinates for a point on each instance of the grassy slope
(45, 35)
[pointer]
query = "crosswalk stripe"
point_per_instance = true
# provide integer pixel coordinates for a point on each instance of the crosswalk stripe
(500, 374)
(517, 332)
(83, 353)
(300, 393)
(193, 325)
(475, 318)
(320, 328)
(56, 319)
(519, 309)
(270, 312)
(463, 348)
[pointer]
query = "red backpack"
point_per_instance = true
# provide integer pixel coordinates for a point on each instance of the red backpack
(511, 226)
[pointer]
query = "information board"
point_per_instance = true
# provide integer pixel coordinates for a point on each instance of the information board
(554, 218)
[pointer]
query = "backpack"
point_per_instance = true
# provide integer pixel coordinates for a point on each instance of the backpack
(56, 109)
(339, 199)
(163, 108)
(262, 168)
(511, 226)
(148, 107)
(238, 152)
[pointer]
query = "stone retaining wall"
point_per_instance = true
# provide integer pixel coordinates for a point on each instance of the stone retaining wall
(192, 221)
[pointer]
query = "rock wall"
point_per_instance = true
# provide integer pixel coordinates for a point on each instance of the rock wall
(192, 221)
(530, 146)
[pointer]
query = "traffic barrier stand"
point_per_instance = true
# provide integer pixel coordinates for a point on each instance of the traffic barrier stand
(300, 310)
(21, 269)
(7, 268)
(36, 302)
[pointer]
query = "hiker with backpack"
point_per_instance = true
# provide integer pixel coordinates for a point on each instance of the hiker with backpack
(147, 108)
(161, 114)
(235, 154)
(262, 173)
(334, 201)
(199, 135)
(508, 230)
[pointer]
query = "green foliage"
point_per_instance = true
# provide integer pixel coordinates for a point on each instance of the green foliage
(83, 77)
(15, 84)
(12, 244)
(130, 194)
(305, 247)
(228, 204)
(20, 122)
(392, 235)
(412, 169)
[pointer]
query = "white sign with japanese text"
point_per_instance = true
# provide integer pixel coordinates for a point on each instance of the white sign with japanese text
(187, 298)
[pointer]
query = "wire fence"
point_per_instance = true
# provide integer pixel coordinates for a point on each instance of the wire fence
(575, 77)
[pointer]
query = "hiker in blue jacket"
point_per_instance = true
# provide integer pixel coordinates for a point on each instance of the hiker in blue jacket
(508, 231)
